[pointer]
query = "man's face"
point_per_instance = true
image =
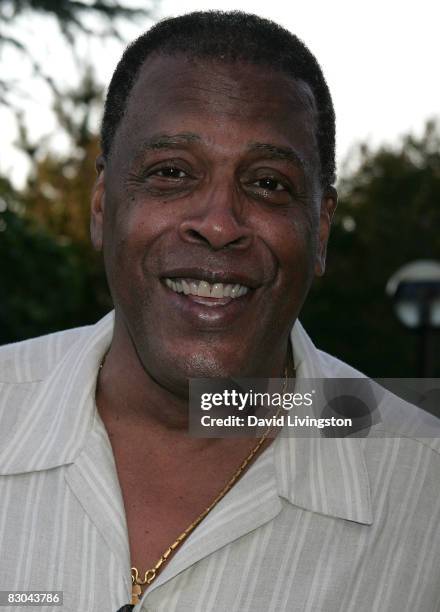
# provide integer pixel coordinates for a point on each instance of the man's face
(213, 178)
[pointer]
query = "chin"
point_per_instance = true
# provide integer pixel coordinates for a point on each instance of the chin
(201, 363)
(210, 366)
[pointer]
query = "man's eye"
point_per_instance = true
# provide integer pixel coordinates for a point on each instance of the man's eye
(269, 188)
(169, 172)
(270, 184)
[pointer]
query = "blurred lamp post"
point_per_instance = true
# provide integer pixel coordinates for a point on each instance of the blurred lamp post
(415, 291)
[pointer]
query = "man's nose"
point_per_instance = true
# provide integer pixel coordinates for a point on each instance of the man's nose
(218, 221)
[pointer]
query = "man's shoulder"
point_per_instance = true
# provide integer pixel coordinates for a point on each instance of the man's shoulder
(336, 368)
(395, 417)
(31, 360)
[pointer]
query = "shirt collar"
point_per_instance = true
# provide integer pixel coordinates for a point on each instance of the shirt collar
(57, 415)
(324, 475)
(327, 476)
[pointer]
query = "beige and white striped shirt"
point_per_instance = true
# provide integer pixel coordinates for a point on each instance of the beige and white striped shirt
(315, 525)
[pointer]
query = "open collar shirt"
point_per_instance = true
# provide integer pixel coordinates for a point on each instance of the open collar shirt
(315, 525)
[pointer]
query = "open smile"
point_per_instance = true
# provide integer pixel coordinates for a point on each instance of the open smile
(207, 304)
(217, 293)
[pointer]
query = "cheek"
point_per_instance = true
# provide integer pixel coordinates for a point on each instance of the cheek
(124, 241)
(132, 228)
(295, 241)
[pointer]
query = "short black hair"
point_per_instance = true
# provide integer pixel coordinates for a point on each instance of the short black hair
(229, 37)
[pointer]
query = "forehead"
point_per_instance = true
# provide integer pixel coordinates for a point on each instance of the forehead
(229, 105)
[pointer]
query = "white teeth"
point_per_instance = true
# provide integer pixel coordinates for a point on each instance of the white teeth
(193, 288)
(205, 289)
(234, 291)
(217, 290)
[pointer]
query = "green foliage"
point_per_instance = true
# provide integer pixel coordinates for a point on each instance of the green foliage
(50, 277)
(388, 215)
(60, 185)
(47, 283)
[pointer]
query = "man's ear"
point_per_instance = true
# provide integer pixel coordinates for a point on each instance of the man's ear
(328, 206)
(97, 206)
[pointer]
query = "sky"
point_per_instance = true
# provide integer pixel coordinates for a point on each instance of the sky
(380, 59)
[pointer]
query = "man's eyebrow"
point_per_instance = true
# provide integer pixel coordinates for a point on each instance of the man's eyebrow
(167, 141)
(276, 152)
(270, 151)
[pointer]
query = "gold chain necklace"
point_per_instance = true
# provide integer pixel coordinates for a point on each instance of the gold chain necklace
(138, 582)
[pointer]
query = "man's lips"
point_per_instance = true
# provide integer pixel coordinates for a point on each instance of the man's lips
(207, 311)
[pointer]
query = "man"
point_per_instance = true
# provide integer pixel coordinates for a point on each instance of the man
(212, 207)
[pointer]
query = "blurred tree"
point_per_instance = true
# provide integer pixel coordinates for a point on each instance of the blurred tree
(388, 215)
(47, 283)
(71, 16)
(59, 185)
(50, 276)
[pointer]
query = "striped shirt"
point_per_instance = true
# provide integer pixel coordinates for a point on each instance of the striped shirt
(315, 525)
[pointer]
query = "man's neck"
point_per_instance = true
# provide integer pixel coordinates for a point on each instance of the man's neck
(128, 395)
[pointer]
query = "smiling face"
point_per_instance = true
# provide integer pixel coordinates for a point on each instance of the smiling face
(212, 217)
